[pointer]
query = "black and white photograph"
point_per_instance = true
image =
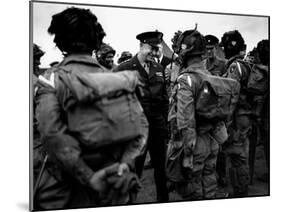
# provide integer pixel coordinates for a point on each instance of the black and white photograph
(138, 105)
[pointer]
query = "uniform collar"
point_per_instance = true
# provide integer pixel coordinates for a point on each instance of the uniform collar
(213, 64)
(200, 66)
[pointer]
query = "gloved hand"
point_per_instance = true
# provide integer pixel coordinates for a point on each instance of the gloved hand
(123, 168)
(187, 161)
(121, 187)
(98, 180)
(189, 146)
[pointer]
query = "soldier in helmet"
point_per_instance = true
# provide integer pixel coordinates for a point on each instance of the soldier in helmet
(105, 56)
(214, 65)
(263, 57)
(195, 175)
(126, 55)
(76, 173)
(155, 102)
(252, 57)
(237, 146)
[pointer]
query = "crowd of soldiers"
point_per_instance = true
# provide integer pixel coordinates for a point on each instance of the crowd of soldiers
(95, 121)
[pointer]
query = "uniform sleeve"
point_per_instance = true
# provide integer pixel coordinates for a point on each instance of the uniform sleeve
(61, 147)
(165, 103)
(137, 146)
(118, 68)
(186, 113)
(234, 71)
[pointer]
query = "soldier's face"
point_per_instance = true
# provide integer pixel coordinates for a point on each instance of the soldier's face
(146, 50)
(108, 60)
(157, 51)
(210, 51)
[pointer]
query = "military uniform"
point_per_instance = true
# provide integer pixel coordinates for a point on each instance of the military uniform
(216, 66)
(65, 182)
(237, 147)
(154, 101)
(199, 181)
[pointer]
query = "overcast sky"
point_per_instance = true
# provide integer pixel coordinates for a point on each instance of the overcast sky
(122, 25)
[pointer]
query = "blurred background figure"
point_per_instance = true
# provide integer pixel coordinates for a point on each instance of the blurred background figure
(252, 56)
(214, 64)
(263, 121)
(37, 54)
(105, 56)
(126, 55)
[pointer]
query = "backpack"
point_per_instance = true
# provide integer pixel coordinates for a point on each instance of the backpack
(258, 80)
(100, 109)
(216, 98)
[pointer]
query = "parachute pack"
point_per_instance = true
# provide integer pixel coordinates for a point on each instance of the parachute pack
(216, 98)
(100, 109)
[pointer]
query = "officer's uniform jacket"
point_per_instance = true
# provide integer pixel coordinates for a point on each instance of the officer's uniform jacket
(60, 144)
(154, 99)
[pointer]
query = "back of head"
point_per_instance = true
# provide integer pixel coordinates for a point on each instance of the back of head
(233, 43)
(190, 43)
(193, 42)
(263, 51)
(76, 31)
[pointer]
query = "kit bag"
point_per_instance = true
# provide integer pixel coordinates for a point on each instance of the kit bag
(216, 97)
(100, 109)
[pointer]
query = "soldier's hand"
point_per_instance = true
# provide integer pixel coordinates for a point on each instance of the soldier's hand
(97, 181)
(123, 168)
(187, 161)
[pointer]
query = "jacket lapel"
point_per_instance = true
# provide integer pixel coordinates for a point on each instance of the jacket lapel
(152, 69)
(136, 64)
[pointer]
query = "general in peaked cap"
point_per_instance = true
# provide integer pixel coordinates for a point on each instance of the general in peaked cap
(152, 38)
(211, 41)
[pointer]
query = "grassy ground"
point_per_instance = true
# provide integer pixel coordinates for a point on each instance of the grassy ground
(258, 188)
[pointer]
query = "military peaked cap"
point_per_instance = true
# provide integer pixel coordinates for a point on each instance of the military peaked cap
(152, 38)
(211, 40)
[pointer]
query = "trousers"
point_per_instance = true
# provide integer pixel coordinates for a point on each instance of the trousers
(201, 181)
(237, 150)
(156, 145)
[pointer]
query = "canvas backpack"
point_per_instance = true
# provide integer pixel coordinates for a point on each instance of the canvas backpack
(100, 109)
(216, 98)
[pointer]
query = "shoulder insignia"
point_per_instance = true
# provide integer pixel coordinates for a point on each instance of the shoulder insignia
(239, 68)
(50, 82)
(189, 80)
